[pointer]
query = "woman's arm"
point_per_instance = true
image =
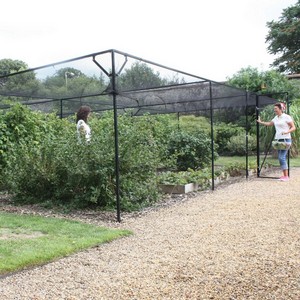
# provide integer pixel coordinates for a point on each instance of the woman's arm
(264, 123)
(292, 128)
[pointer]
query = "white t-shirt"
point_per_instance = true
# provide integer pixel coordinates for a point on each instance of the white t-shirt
(81, 125)
(281, 125)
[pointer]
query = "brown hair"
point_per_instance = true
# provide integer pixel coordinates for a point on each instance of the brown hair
(281, 106)
(83, 113)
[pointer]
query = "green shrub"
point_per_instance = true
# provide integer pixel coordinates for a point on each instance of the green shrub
(193, 124)
(62, 170)
(266, 133)
(223, 133)
(45, 162)
(184, 177)
(295, 113)
(238, 168)
(192, 151)
(19, 127)
(237, 144)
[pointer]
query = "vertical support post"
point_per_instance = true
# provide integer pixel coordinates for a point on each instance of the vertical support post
(257, 136)
(212, 139)
(247, 130)
(117, 163)
(288, 111)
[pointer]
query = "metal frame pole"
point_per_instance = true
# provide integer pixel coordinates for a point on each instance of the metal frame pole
(247, 145)
(288, 111)
(212, 139)
(117, 162)
(257, 136)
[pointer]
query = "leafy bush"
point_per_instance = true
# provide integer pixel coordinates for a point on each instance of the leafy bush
(266, 133)
(54, 167)
(184, 177)
(61, 170)
(20, 127)
(237, 168)
(223, 133)
(237, 144)
(295, 113)
(193, 124)
(192, 151)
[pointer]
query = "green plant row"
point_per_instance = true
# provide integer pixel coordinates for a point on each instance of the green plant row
(43, 161)
(202, 177)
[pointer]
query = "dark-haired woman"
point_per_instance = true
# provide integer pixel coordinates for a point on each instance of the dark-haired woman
(82, 122)
(284, 125)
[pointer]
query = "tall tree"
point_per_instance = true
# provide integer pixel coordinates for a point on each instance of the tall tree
(24, 84)
(284, 40)
(262, 82)
(139, 76)
(8, 66)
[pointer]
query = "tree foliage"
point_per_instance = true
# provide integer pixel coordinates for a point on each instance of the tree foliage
(262, 82)
(248, 78)
(139, 76)
(296, 87)
(15, 83)
(72, 82)
(284, 39)
(9, 66)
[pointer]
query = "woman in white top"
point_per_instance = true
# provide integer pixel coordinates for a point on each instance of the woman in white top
(82, 122)
(284, 125)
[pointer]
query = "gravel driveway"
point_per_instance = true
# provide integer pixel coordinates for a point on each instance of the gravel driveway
(241, 241)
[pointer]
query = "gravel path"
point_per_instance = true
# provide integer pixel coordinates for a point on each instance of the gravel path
(241, 241)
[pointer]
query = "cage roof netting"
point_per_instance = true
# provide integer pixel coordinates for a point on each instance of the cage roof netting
(138, 84)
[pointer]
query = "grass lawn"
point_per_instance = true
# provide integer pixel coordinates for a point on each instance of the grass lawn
(27, 240)
(228, 160)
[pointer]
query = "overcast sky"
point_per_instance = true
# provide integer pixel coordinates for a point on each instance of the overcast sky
(212, 39)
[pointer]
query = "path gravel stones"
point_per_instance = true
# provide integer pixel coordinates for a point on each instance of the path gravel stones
(241, 241)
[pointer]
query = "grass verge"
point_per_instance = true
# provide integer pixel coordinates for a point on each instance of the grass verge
(227, 160)
(27, 241)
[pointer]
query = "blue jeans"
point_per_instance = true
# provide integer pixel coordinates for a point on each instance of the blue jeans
(282, 156)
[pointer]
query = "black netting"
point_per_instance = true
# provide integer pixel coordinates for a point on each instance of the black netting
(99, 79)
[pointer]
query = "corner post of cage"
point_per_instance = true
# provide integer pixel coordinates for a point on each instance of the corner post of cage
(117, 162)
(247, 142)
(257, 135)
(288, 111)
(212, 138)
